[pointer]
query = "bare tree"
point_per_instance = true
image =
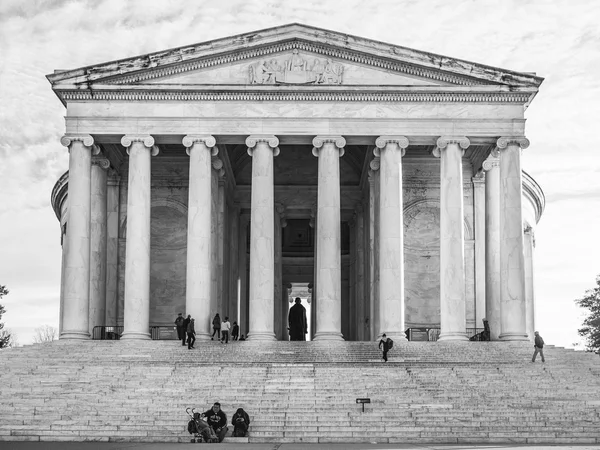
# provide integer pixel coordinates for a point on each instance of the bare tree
(45, 333)
(5, 335)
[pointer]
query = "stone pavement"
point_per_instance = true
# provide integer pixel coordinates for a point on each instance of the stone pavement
(236, 446)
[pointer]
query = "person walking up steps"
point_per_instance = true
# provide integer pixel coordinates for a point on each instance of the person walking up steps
(538, 347)
(225, 325)
(216, 327)
(386, 346)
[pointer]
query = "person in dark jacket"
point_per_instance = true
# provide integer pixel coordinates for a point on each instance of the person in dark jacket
(191, 332)
(297, 321)
(235, 331)
(386, 346)
(216, 327)
(538, 347)
(186, 322)
(180, 329)
(217, 419)
(240, 422)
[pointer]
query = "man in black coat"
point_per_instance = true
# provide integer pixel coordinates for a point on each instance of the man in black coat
(186, 322)
(180, 329)
(217, 420)
(297, 321)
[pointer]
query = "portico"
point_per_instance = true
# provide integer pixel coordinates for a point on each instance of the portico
(219, 162)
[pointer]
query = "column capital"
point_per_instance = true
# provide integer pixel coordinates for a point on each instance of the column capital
(101, 162)
(129, 139)
(375, 164)
(318, 142)
(206, 139)
(491, 161)
(443, 142)
(382, 141)
(270, 139)
(68, 139)
(506, 141)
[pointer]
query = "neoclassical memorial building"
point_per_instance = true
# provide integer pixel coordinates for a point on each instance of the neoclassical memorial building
(218, 176)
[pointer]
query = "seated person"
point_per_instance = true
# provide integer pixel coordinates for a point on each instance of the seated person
(240, 422)
(217, 420)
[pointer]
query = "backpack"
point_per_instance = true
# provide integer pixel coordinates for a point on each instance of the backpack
(192, 428)
(390, 343)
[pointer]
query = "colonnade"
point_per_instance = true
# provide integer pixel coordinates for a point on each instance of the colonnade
(504, 254)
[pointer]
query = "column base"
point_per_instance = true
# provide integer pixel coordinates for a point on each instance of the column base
(513, 337)
(453, 336)
(80, 335)
(135, 335)
(261, 336)
(328, 336)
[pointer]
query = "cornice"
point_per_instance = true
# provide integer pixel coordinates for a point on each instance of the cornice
(236, 95)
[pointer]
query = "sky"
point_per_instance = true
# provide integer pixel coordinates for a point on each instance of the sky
(557, 39)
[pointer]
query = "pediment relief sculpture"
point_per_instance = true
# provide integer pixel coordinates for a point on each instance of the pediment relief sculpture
(296, 69)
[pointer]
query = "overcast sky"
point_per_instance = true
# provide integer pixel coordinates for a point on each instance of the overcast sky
(559, 40)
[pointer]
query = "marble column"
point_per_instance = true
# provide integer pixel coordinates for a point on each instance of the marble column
(512, 264)
(479, 222)
(349, 318)
(329, 264)
(313, 286)
(76, 295)
(98, 236)
(361, 312)
(112, 248)
(529, 238)
(491, 166)
(243, 274)
(373, 327)
(234, 275)
(390, 150)
(279, 220)
(198, 274)
(136, 314)
(262, 149)
(222, 303)
(450, 150)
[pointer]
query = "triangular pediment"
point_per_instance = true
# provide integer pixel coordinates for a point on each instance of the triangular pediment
(292, 55)
(295, 67)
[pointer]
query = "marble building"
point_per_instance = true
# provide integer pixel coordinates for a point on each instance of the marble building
(213, 177)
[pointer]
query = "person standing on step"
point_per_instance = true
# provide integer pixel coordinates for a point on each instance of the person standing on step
(298, 325)
(235, 331)
(191, 332)
(386, 346)
(240, 422)
(538, 347)
(225, 326)
(217, 419)
(216, 327)
(180, 329)
(185, 324)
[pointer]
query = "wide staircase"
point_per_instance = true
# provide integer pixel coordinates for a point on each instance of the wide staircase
(428, 392)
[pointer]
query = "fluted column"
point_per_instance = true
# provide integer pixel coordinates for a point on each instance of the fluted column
(479, 226)
(112, 248)
(76, 287)
(373, 289)
(452, 238)
(529, 238)
(262, 149)
(199, 268)
(360, 273)
(279, 224)
(243, 274)
(329, 263)
(391, 149)
(136, 314)
(512, 264)
(313, 307)
(491, 166)
(98, 243)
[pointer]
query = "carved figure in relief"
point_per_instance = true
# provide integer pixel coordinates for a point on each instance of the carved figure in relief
(296, 63)
(319, 70)
(333, 72)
